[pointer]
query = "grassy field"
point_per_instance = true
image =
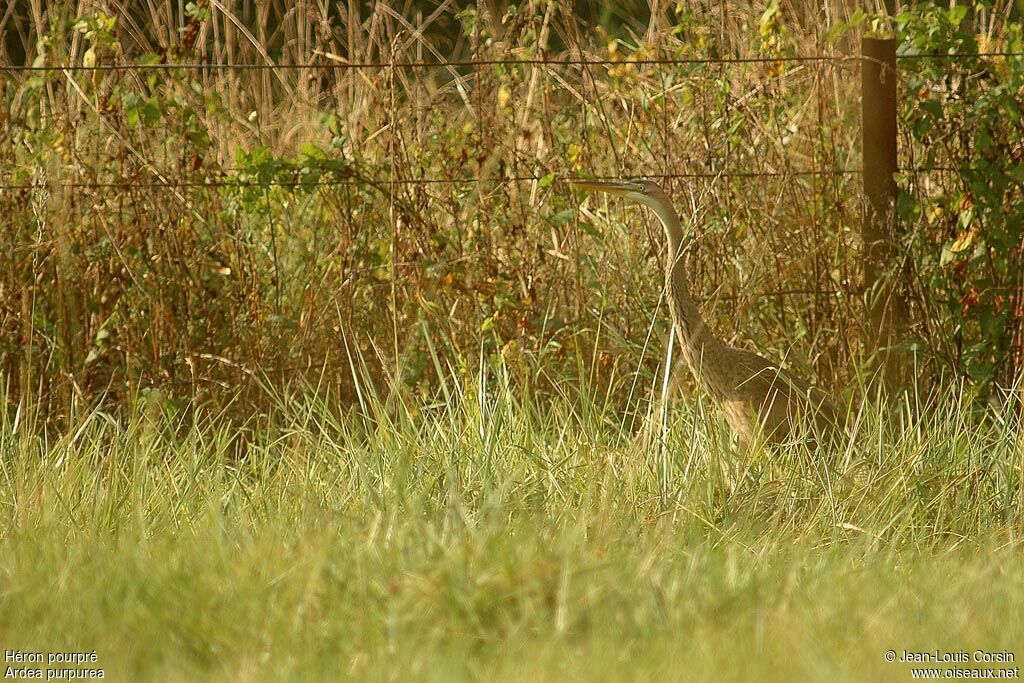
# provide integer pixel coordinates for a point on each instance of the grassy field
(500, 538)
(313, 366)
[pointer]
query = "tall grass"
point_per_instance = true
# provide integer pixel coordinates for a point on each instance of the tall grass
(196, 291)
(497, 536)
(119, 280)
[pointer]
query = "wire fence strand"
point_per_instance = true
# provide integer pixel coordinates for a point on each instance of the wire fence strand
(333, 62)
(356, 180)
(227, 182)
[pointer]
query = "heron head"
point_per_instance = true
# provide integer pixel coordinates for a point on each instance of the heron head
(645, 192)
(637, 189)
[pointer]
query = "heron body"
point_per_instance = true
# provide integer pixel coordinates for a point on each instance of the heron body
(760, 400)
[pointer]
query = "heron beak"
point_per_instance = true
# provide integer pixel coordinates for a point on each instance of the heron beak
(617, 188)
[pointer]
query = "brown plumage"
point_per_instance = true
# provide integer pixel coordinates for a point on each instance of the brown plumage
(760, 400)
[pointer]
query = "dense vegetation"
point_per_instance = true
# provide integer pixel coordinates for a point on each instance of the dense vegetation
(202, 231)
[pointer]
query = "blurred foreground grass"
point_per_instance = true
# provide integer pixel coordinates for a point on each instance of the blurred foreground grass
(495, 537)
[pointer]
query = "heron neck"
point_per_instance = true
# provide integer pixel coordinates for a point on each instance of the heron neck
(694, 334)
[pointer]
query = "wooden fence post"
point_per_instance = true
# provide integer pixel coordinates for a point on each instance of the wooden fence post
(887, 310)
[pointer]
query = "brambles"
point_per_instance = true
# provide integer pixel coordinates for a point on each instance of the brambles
(966, 234)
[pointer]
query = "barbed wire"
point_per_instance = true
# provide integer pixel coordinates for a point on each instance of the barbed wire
(226, 182)
(467, 63)
(357, 180)
(955, 55)
(337, 63)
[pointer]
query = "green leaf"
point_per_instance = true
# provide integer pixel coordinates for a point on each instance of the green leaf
(562, 217)
(311, 151)
(983, 141)
(932, 106)
(907, 206)
(993, 325)
(965, 218)
(947, 256)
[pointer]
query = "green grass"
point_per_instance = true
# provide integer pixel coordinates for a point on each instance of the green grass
(494, 537)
